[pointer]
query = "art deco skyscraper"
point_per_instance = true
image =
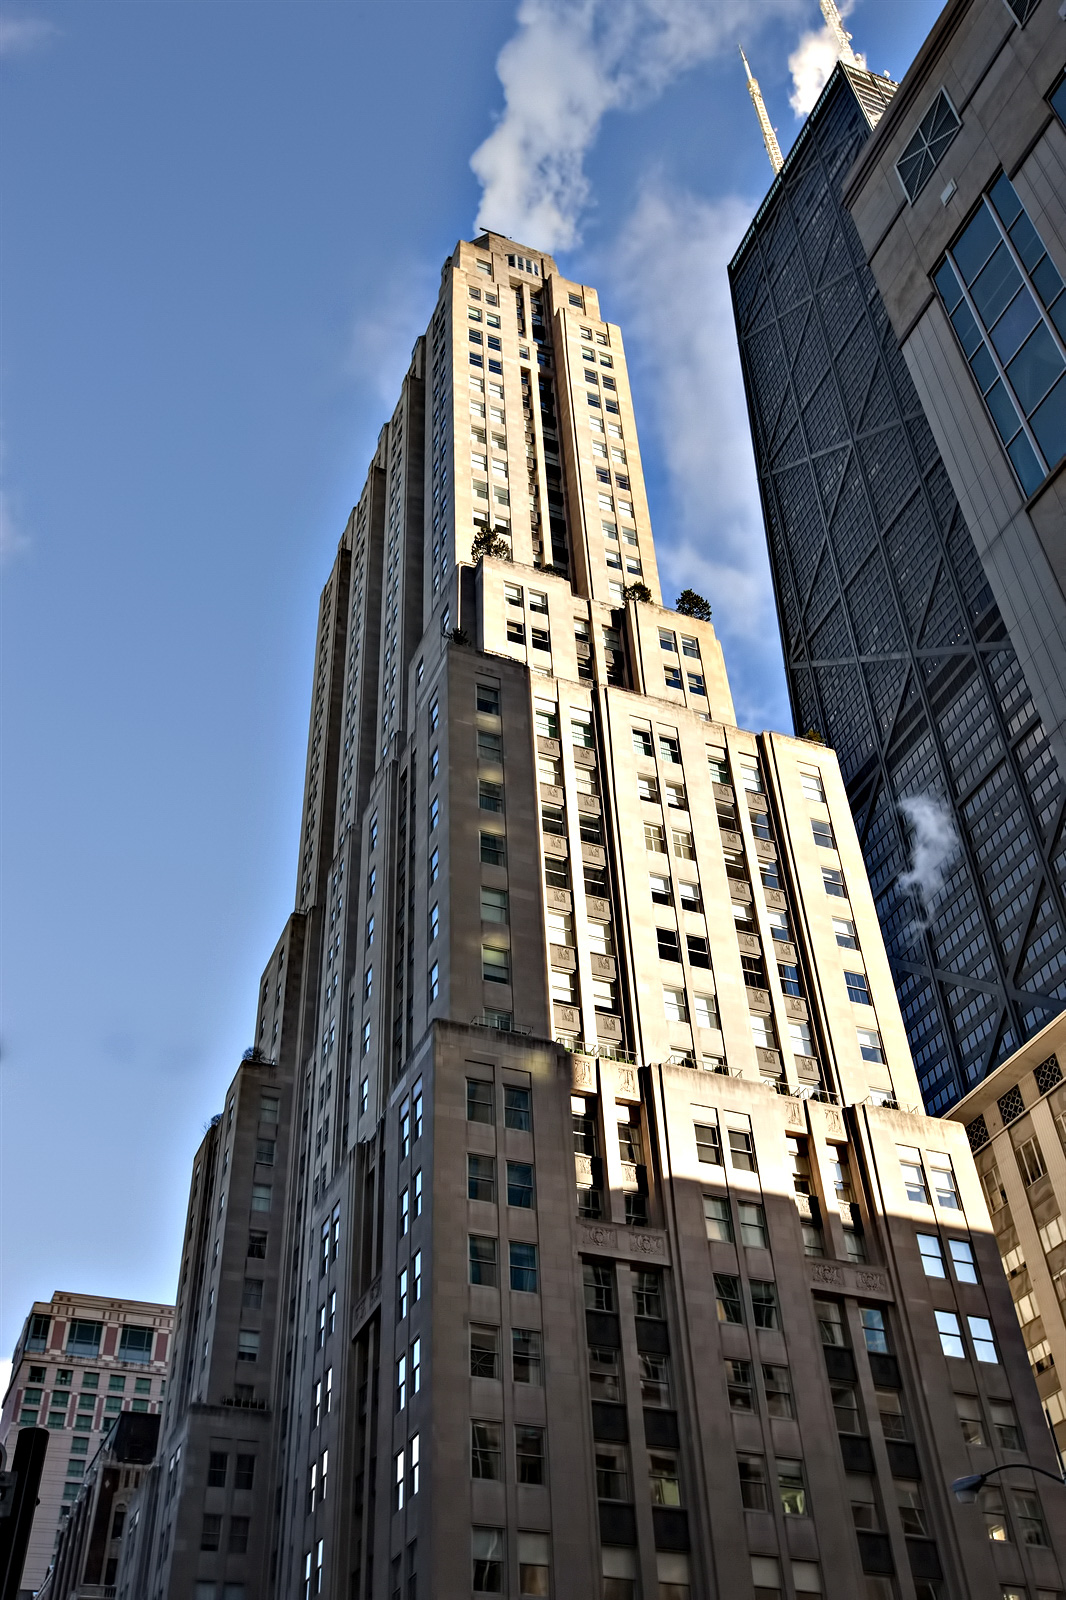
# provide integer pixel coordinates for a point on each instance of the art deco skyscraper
(895, 647)
(564, 1235)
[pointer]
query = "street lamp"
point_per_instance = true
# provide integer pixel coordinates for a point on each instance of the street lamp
(967, 1489)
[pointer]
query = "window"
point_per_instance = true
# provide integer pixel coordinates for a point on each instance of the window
(664, 1478)
(833, 879)
(479, 1104)
(791, 1490)
(811, 784)
(927, 146)
(778, 1391)
(708, 1143)
(764, 1302)
(740, 1385)
(727, 1298)
(1030, 1517)
(823, 834)
(741, 1150)
(910, 1166)
(520, 1184)
(1005, 1425)
(612, 1472)
(705, 1011)
(480, 1178)
(698, 956)
(675, 1005)
(690, 896)
(963, 1260)
(943, 1180)
(495, 964)
(484, 1352)
(483, 1268)
(489, 798)
(523, 1267)
(667, 940)
(434, 982)
(660, 887)
(517, 1108)
(534, 1564)
(858, 989)
(753, 1490)
(718, 1218)
(682, 843)
(489, 746)
(845, 1407)
(846, 936)
(526, 1356)
(488, 699)
(211, 1532)
(1030, 1161)
(932, 1255)
(970, 1419)
(654, 1379)
(487, 1557)
(673, 678)
(257, 1243)
(529, 1454)
(947, 1324)
(752, 1224)
(984, 1343)
(642, 745)
(546, 719)
(655, 838)
(874, 1331)
(779, 928)
(217, 1463)
(485, 1455)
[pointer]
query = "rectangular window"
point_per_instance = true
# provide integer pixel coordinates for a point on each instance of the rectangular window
(675, 1005)
(718, 1218)
(764, 1302)
(1005, 300)
(517, 1108)
(484, 1352)
(943, 1180)
(522, 1260)
(791, 1490)
(833, 880)
(487, 1558)
(874, 1330)
(754, 1496)
(480, 1178)
(741, 1149)
(479, 1101)
(526, 1356)
(963, 1260)
(727, 1297)
(529, 1454)
(493, 850)
(485, 1454)
(870, 1045)
(495, 964)
(612, 1472)
(932, 1255)
(1030, 1161)
(858, 988)
(950, 1332)
(984, 1343)
(708, 1143)
(483, 1264)
(846, 936)
(823, 834)
(752, 1224)
(520, 1184)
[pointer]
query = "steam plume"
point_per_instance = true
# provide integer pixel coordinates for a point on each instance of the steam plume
(934, 845)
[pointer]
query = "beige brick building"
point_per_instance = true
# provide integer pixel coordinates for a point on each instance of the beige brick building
(590, 1260)
(81, 1361)
(1016, 1125)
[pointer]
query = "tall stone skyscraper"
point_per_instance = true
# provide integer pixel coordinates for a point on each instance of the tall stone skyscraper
(564, 1233)
(895, 648)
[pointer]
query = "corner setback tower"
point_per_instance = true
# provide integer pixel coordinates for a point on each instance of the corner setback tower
(580, 1077)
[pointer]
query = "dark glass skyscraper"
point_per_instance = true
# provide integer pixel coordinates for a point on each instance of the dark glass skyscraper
(895, 650)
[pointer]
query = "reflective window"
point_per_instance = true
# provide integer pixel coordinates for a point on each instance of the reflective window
(1006, 303)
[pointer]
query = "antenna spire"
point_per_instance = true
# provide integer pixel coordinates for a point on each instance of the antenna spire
(769, 137)
(835, 23)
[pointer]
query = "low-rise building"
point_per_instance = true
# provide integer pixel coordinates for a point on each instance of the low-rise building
(80, 1361)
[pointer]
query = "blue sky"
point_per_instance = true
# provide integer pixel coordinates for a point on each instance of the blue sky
(222, 229)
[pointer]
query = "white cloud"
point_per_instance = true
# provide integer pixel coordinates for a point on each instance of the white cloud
(20, 35)
(566, 66)
(672, 252)
(812, 62)
(934, 845)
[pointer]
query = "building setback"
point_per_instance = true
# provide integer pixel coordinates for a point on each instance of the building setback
(897, 647)
(79, 1363)
(562, 1237)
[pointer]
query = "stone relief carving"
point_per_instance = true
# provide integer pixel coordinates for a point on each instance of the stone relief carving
(825, 1272)
(583, 1072)
(603, 1238)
